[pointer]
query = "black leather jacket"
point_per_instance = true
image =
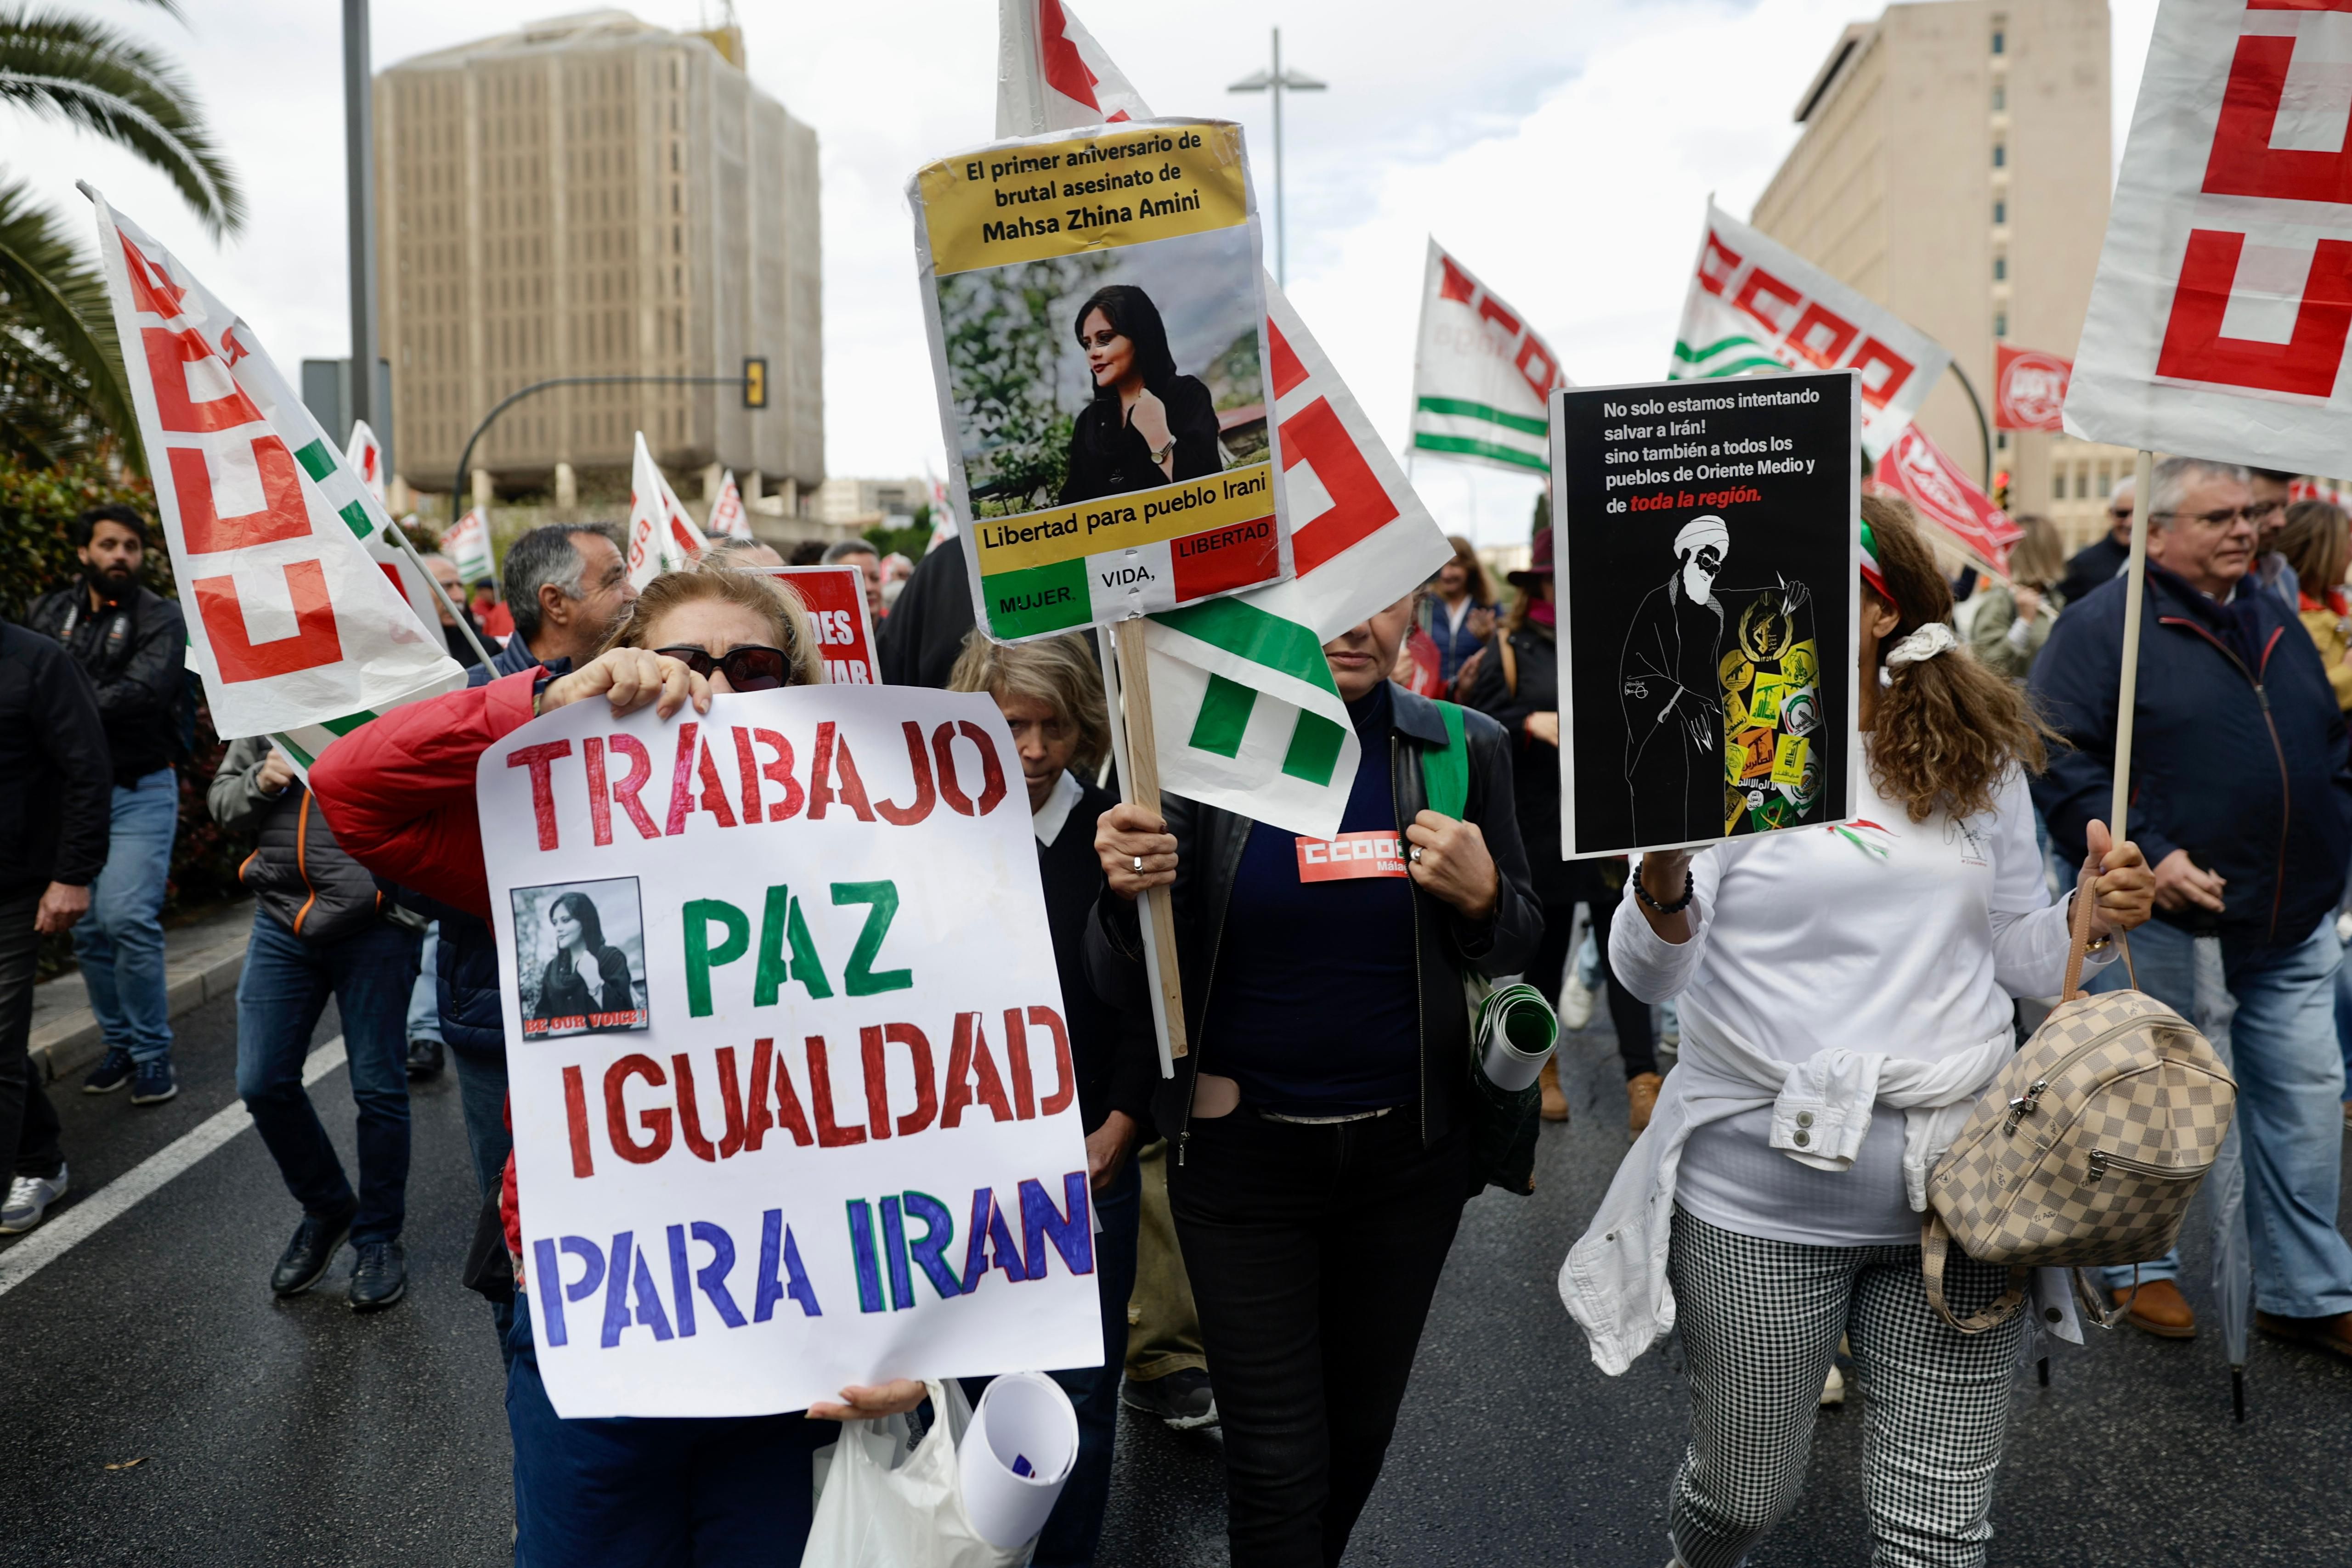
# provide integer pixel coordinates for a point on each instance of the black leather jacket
(1208, 855)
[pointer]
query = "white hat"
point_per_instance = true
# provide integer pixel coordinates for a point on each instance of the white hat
(1700, 532)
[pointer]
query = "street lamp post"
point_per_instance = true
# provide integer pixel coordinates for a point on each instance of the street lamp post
(1276, 82)
(359, 164)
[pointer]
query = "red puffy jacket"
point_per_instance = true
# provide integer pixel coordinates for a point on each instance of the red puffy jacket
(399, 790)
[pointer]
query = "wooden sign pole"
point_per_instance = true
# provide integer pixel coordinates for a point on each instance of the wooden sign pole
(1139, 785)
(2135, 593)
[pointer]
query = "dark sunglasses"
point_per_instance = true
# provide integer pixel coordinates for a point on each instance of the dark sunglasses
(750, 668)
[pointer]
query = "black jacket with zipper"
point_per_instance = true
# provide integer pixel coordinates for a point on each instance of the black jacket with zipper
(1209, 853)
(298, 875)
(135, 652)
(2241, 762)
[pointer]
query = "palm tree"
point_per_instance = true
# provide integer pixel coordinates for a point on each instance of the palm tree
(61, 381)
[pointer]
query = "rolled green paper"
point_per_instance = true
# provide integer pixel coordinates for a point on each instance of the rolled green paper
(1516, 1031)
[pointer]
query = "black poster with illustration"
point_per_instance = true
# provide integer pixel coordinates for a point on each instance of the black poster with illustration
(1707, 543)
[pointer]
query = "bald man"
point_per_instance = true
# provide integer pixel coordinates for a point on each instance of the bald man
(1672, 690)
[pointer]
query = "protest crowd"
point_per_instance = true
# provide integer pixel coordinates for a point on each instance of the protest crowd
(1833, 915)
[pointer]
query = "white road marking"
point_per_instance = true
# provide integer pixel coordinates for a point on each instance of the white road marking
(77, 1225)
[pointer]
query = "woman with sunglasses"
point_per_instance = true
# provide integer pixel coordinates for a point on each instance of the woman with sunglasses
(400, 794)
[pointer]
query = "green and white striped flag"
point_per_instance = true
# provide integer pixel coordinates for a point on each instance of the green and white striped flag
(1482, 376)
(1243, 708)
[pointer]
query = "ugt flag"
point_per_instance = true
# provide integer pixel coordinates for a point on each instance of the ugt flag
(1243, 707)
(1940, 495)
(1481, 375)
(293, 627)
(2029, 389)
(1755, 304)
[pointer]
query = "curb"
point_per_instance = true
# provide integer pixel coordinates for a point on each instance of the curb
(71, 1040)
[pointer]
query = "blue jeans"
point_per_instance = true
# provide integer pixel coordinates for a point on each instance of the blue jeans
(482, 1097)
(727, 1492)
(424, 991)
(279, 997)
(1076, 1524)
(2279, 1008)
(120, 943)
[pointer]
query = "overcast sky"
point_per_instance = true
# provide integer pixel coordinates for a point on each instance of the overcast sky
(1563, 148)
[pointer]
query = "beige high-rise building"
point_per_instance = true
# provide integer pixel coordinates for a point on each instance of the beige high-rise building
(595, 196)
(1955, 166)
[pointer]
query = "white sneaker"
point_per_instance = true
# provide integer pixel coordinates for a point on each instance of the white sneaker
(1575, 1004)
(1833, 1386)
(28, 1200)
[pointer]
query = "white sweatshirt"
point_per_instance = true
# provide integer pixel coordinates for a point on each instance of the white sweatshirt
(1829, 971)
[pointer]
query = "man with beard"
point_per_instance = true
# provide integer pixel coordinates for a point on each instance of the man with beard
(133, 645)
(1672, 688)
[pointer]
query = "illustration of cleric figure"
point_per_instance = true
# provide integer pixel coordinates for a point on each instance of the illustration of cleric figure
(1670, 681)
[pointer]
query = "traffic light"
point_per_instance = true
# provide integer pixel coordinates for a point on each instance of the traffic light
(755, 383)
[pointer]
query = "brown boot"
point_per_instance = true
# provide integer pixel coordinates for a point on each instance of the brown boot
(1555, 1104)
(1641, 1099)
(2157, 1307)
(2333, 1334)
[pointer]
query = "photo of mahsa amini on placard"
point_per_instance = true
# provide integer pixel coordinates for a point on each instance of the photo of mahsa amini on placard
(579, 958)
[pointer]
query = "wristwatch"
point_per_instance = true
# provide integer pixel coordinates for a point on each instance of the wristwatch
(1161, 455)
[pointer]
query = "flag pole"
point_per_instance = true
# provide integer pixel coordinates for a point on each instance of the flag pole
(2135, 592)
(1139, 783)
(433, 583)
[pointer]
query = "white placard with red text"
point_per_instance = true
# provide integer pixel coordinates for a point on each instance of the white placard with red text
(793, 1098)
(2217, 321)
(836, 598)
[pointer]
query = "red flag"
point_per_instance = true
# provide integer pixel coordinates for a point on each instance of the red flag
(1917, 469)
(2029, 389)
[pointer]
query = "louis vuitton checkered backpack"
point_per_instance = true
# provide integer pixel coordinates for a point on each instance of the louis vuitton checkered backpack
(2086, 1150)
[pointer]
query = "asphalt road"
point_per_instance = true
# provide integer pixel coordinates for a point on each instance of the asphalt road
(298, 1433)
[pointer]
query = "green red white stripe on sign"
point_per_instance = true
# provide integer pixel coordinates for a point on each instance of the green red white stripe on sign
(1092, 589)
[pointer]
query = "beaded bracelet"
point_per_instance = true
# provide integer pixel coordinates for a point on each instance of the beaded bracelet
(1690, 890)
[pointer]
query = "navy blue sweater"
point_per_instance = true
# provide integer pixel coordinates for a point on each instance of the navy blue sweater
(1317, 1002)
(2239, 753)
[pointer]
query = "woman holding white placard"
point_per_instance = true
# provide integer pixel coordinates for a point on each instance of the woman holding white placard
(400, 790)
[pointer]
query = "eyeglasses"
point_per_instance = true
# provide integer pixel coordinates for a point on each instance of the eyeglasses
(750, 667)
(2219, 519)
(2121, 514)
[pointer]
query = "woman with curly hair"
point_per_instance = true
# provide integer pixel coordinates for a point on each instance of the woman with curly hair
(1845, 997)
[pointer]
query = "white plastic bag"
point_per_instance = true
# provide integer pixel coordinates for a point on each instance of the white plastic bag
(886, 1501)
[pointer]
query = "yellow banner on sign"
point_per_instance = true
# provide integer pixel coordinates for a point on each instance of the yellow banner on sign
(1124, 522)
(1034, 201)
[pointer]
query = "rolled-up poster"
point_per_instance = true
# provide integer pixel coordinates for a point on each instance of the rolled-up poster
(1016, 1456)
(1516, 1031)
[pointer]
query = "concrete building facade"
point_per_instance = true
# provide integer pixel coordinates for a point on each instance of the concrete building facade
(595, 196)
(1956, 166)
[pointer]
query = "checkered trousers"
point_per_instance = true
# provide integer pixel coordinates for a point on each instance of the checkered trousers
(1759, 1322)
